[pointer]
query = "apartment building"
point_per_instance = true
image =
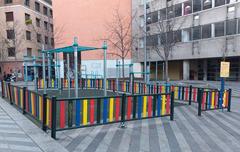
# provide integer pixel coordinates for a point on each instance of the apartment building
(205, 33)
(24, 26)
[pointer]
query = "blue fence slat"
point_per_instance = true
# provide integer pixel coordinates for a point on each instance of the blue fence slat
(105, 104)
(78, 110)
(139, 107)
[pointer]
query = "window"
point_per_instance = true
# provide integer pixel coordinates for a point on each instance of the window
(177, 36)
(207, 4)
(197, 5)
(10, 34)
(230, 1)
(187, 7)
(196, 33)
(29, 51)
(46, 40)
(51, 12)
(11, 52)
(186, 35)
(28, 35)
(39, 38)
(152, 17)
(9, 16)
(219, 2)
(51, 27)
(206, 31)
(7, 1)
(37, 6)
(38, 22)
(152, 40)
(27, 17)
(52, 42)
(163, 14)
(219, 29)
(231, 27)
(178, 10)
(45, 10)
(46, 25)
(170, 13)
(231, 9)
(170, 38)
(27, 3)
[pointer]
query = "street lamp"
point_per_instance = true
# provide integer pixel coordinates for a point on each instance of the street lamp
(145, 41)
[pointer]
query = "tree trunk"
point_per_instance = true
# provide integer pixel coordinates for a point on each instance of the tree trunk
(166, 70)
(123, 74)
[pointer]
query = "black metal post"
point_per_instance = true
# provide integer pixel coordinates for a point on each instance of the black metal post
(123, 111)
(190, 95)
(24, 100)
(133, 83)
(183, 92)
(154, 105)
(54, 121)
(2, 88)
(44, 127)
(37, 83)
(172, 106)
(200, 94)
(229, 99)
(98, 110)
(10, 93)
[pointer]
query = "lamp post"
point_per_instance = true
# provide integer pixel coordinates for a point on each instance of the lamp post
(105, 67)
(145, 41)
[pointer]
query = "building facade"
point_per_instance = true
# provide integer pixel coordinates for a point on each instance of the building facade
(25, 25)
(205, 33)
(87, 21)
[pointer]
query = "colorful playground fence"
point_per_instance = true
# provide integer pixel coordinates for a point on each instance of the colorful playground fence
(37, 106)
(213, 100)
(85, 112)
(69, 113)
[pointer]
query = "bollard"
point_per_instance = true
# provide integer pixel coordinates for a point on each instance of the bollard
(122, 125)
(44, 127)
(229, 100)
(172, 106)
(2, 83)
(24, 99)
(54, 121)
(190, 95)
(10, 93)
(154, 105)
(200, 94)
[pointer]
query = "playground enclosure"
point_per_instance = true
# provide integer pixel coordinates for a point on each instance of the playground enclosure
(123, 103)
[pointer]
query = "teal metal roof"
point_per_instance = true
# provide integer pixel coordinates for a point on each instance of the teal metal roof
(69, 49)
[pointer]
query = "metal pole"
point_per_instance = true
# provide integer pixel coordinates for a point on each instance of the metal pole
(49, 70)
(76, 65)
(44, 71)
(105, 67)
(145, 41)
(59, 77)
(117, 75)
(35, 72)
(222, 92)
(156, 70)
(26, 74)
(68, 72)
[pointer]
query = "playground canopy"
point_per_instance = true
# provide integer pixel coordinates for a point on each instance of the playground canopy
(74, 49)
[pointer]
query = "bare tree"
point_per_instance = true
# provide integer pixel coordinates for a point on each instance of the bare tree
(166, 34)
(120, 36)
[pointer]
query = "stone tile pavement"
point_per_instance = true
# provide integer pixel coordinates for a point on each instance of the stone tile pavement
(19, 134)
(214, 131)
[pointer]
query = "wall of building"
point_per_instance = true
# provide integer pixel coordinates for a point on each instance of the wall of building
(20, 27)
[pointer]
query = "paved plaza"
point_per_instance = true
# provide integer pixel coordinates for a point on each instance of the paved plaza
(214, 131)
